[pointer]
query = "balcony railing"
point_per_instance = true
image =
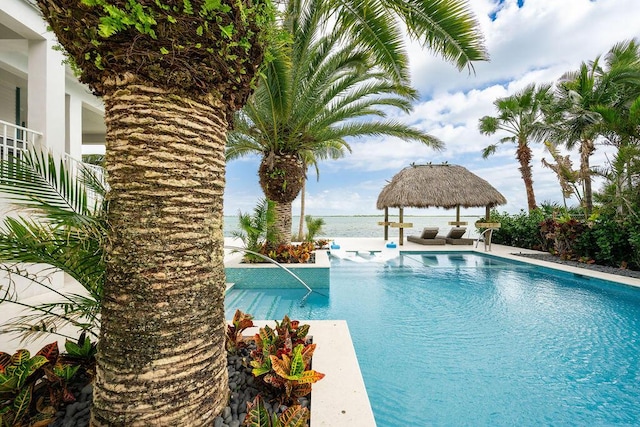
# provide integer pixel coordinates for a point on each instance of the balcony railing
(14, 139)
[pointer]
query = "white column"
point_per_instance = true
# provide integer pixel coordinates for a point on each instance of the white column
(73, 141)
(46, 104)
(46, 93)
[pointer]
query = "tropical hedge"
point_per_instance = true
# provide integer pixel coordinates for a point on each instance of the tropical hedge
(605, 239)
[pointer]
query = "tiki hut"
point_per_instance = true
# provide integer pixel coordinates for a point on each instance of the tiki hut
(436, 185)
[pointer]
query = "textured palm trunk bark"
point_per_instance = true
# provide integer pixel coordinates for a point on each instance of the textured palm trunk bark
(524, 157)
(164, 291)
(586, 150)
(302, 207)
(283, 222)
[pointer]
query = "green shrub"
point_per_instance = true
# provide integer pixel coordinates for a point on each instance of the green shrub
(611, 242)
(521, 230)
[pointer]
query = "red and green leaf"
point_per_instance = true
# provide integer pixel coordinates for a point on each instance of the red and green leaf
(50, 351)
(5, 359)
(310, 377)
(20, 357)
(300, 390)
(307, 352)
(257, 414)
(295, 416)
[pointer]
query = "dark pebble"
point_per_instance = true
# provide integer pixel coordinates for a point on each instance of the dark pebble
(226, 412)
(244, 389)
(86, 393)
(596, 267)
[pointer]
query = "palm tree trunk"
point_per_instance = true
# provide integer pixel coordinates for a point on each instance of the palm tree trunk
(301, 224)
(283, 222)
(161, 357)
(586, 150)
(523, 154)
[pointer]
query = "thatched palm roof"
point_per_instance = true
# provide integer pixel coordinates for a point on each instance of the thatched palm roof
(443, 185)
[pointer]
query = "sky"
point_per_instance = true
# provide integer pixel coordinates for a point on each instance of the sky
(529, 41)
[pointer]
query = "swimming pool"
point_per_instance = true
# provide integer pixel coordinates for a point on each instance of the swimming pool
(467, 339)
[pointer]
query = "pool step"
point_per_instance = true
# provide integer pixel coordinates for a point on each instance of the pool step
(265, 305)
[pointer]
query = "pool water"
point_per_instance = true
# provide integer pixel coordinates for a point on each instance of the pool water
(467, 339)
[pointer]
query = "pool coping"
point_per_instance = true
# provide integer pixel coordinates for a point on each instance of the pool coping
(340, 398)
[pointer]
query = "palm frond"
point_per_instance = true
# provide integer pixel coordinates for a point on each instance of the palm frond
(65, 231)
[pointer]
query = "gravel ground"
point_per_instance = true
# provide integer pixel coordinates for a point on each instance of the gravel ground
(242, 385)
(601, 268)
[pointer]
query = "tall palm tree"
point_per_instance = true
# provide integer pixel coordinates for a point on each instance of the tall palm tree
(171, 73)
(591, 102)
(620, 125)
(316, 92)
(332, 151)
(522, 116)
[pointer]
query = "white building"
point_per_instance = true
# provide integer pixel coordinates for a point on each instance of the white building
(41, 102)
(39, 92)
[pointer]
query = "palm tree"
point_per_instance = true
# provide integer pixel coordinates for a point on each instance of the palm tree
(308, 103)
(522, 116)
(331, 151)
(620, 122)
(171, 74)
(591, 102)
(446, 27)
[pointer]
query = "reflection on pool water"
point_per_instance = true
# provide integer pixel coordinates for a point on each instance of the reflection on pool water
(467, 339)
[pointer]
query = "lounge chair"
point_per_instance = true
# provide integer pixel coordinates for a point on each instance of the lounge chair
(454, 237)
(429, 236)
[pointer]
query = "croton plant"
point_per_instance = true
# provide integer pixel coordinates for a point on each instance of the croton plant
(281, 358)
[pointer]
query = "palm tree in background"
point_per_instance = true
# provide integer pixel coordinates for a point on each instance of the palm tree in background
(333, 152)
(620, 125)
(522, 116)
(171, 74)
(445, 27)
(588, 104)
(317, 91)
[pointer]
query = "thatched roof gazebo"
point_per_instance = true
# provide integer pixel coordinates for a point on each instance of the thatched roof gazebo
(436, 185)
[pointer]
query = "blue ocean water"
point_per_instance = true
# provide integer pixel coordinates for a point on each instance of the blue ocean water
(367, 225)
(471, 340)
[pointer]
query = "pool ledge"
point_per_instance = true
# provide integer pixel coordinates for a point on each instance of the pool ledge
(264, 275)
(340, 398)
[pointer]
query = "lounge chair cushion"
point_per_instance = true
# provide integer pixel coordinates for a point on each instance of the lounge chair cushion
(432, 241)
(429, 232)
(456, 232)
